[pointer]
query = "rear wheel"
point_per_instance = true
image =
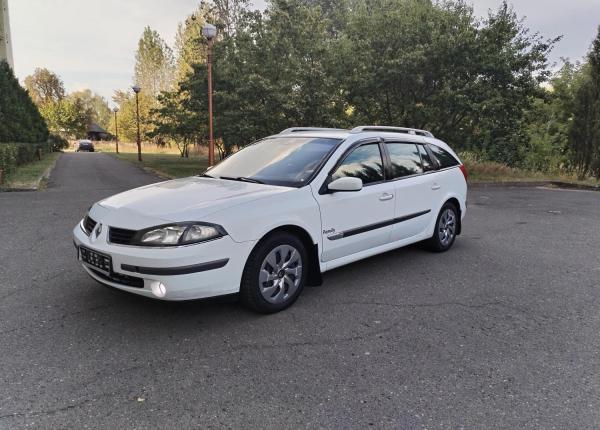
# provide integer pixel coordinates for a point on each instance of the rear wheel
(446, 227)
(275, 273)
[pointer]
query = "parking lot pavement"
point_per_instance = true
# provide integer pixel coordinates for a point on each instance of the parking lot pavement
(500, 332)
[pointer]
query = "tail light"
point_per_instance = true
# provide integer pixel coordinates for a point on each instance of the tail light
(463, 169)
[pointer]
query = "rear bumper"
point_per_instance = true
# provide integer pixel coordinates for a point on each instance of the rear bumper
(190, 272)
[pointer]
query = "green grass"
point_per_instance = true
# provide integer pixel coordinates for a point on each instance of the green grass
(28, 175)
(167, 165)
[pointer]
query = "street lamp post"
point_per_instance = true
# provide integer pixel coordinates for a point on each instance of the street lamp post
(210, 31)
(115, 110)
(136, 90)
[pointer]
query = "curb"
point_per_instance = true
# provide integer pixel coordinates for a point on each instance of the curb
(529, 184)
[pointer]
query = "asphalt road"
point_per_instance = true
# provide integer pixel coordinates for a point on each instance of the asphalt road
(503, 331)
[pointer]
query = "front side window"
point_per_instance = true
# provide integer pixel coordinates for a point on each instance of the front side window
(286, 161)
(364, 162)
(405, 158)
(444, 158)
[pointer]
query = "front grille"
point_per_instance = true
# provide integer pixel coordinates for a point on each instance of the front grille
(117, 278)
(121, 236)
(88, 224)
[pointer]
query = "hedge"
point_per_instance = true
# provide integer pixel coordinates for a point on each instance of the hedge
(16, 154)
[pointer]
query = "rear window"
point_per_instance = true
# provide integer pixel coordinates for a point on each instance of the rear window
(443, 157)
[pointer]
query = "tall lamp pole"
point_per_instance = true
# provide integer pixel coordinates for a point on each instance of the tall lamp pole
(210, 31)
(136, 90)
(115, 110)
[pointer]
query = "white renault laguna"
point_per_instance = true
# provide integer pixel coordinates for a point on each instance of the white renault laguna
(274, 216)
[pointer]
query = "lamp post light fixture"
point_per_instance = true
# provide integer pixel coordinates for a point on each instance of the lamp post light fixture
(136, 90)
(210, 31)
(115, 110)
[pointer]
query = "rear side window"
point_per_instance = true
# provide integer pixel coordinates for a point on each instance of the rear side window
(443, 157)
(364, 162)
(405, 159)
(428, 165)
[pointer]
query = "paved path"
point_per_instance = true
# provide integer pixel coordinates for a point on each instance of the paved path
(501, 332)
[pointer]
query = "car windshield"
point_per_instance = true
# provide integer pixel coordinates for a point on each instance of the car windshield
(286, 161)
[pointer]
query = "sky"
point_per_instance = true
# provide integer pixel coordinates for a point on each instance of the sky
(92, 43)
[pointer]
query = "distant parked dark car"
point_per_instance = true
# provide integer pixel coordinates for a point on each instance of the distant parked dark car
(85, 145)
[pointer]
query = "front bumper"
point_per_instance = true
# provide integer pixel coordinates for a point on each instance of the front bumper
(196, 271)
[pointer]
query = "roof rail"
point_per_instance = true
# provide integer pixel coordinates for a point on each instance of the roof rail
(415, 131)
(301, 129)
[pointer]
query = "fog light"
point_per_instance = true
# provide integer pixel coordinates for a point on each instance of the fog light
(158, 289)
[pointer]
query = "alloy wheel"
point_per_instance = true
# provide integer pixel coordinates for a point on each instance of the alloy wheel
(447, 227)
(280, 274)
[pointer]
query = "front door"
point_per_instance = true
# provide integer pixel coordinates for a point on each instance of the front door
(355, 221)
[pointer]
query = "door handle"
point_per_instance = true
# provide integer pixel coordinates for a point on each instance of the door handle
(436, 186)
(386, 196)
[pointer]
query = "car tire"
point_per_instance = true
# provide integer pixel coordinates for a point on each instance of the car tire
(446, 228)
(275, 273)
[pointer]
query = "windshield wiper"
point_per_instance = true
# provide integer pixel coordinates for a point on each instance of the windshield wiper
(241, 179)
(204, 175)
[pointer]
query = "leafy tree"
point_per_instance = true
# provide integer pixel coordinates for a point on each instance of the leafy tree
(548, 122)
(435, 66)
(44, 86)
(95, 107)
(175, 124)
(153, 63)
(66, 117)
(127, 115)
(272, 74)
(585, 129)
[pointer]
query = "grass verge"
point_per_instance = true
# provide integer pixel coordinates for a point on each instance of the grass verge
(166, 165)
(31, 176)
(491, 172)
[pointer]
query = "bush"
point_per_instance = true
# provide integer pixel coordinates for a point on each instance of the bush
(57, 143)
(16, 154)
(8, 157)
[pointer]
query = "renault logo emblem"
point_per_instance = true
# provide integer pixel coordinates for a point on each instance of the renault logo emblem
(98, 230)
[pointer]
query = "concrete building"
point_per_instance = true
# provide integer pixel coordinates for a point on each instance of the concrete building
(5, 41)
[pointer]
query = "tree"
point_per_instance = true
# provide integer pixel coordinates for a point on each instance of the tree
(95, 107)
(585, 129)
(548, 122)
(175, 124)
(127, 115)
(434, 66)
(44, 86)
(190, 46)
(20, 120)
(66, 118)
(153, 63)
(271, 75)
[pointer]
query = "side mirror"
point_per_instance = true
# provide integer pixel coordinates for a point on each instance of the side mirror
(345, 184)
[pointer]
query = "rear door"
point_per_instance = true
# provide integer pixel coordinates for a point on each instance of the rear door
(410, 168)
(359, 220)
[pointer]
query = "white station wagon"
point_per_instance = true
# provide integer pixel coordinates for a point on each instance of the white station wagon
(274, 216)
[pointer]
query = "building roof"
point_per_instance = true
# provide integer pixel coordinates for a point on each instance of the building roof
(95, 128)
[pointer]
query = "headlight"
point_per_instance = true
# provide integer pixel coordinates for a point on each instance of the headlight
(181, 234)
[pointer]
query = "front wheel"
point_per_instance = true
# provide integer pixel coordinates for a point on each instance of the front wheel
(446, 227)
(275, 273)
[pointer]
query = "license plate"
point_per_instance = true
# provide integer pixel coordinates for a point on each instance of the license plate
(97, 260)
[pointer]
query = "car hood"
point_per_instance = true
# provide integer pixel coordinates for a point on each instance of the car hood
(187, 199)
